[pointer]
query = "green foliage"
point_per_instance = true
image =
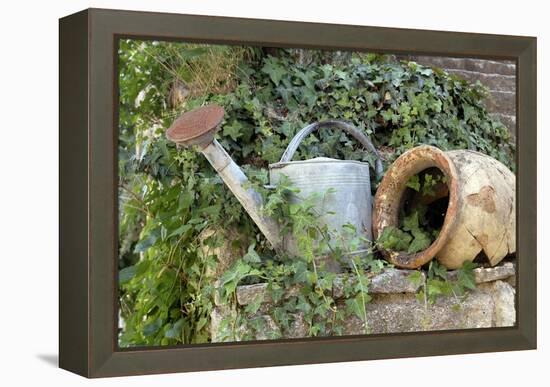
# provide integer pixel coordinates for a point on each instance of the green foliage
(306, 272)
(394, 239)
(425, 183)
(168, 198)
(415, 232)
(421, 238)
(438, 284)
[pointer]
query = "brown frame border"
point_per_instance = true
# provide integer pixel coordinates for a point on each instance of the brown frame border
(88, 202)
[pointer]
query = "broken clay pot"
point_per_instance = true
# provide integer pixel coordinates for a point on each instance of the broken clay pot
(480, 216)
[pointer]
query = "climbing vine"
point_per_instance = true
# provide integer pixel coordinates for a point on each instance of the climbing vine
(170, 199)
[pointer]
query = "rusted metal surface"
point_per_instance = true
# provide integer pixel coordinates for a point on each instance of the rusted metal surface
(481, 211)
(196, 127)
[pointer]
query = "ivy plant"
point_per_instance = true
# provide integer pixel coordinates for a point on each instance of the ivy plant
(438, 284)
(305, 272)
(416, 231)
(170, 199)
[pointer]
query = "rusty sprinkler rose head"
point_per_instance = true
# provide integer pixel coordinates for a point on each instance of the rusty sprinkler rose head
(196, 127)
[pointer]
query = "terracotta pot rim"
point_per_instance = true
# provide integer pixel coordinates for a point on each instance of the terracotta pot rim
(390, 192)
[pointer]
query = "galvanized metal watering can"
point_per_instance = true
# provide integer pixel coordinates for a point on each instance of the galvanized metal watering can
(350, 200)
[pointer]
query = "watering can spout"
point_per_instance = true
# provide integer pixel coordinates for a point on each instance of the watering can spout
(198, 127)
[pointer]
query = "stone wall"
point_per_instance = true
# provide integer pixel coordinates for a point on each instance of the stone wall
(394, 306)
(498, 76)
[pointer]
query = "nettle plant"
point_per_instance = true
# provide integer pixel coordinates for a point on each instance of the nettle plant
(169, 198)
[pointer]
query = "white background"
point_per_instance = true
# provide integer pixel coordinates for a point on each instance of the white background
(29, 189)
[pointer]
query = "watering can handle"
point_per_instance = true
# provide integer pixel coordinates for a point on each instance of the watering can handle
(350, 129)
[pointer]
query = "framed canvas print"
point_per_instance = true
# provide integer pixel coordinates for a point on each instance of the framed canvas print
(244, 193)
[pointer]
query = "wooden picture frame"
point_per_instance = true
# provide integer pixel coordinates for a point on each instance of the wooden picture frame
(88, 192)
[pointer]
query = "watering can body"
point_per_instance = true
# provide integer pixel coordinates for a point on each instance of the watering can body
(343, 186)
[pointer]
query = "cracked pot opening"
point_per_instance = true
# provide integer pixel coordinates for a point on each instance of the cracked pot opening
(421, 215)
(415, 206)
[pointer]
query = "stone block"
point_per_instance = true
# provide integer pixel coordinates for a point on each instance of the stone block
(504, 297)
(507, 120)
(389, 281)
(489, 274)
(230, 246)
(469, 64)
(489, 305)
(502, 102)
(493, 82)
(394, 307)
(249, 293)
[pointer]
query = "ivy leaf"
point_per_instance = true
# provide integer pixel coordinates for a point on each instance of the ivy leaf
(466, 276)
(275, 291)
(326, 282)
(287, 129)
(428, 185)
(231, 278)
(274, 70)
(185, 200)
(180, 230)
(420, 242)
(126, 274)
(439, 270)
(434, 288)
(421, 238)
(213, 210)
(175, 330)
(233, 130)
(301, 273)
(394, 239)
(307, 78)
(253, 307)
(377, 265)
(309, 97)
(303, 305)
(414, 183)
(148, 241)
(410, 223)
(416, 278)
(387, 114)
(426, 71)
(355, 305)
(152, 327)
(314, 330)
(251, 255)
